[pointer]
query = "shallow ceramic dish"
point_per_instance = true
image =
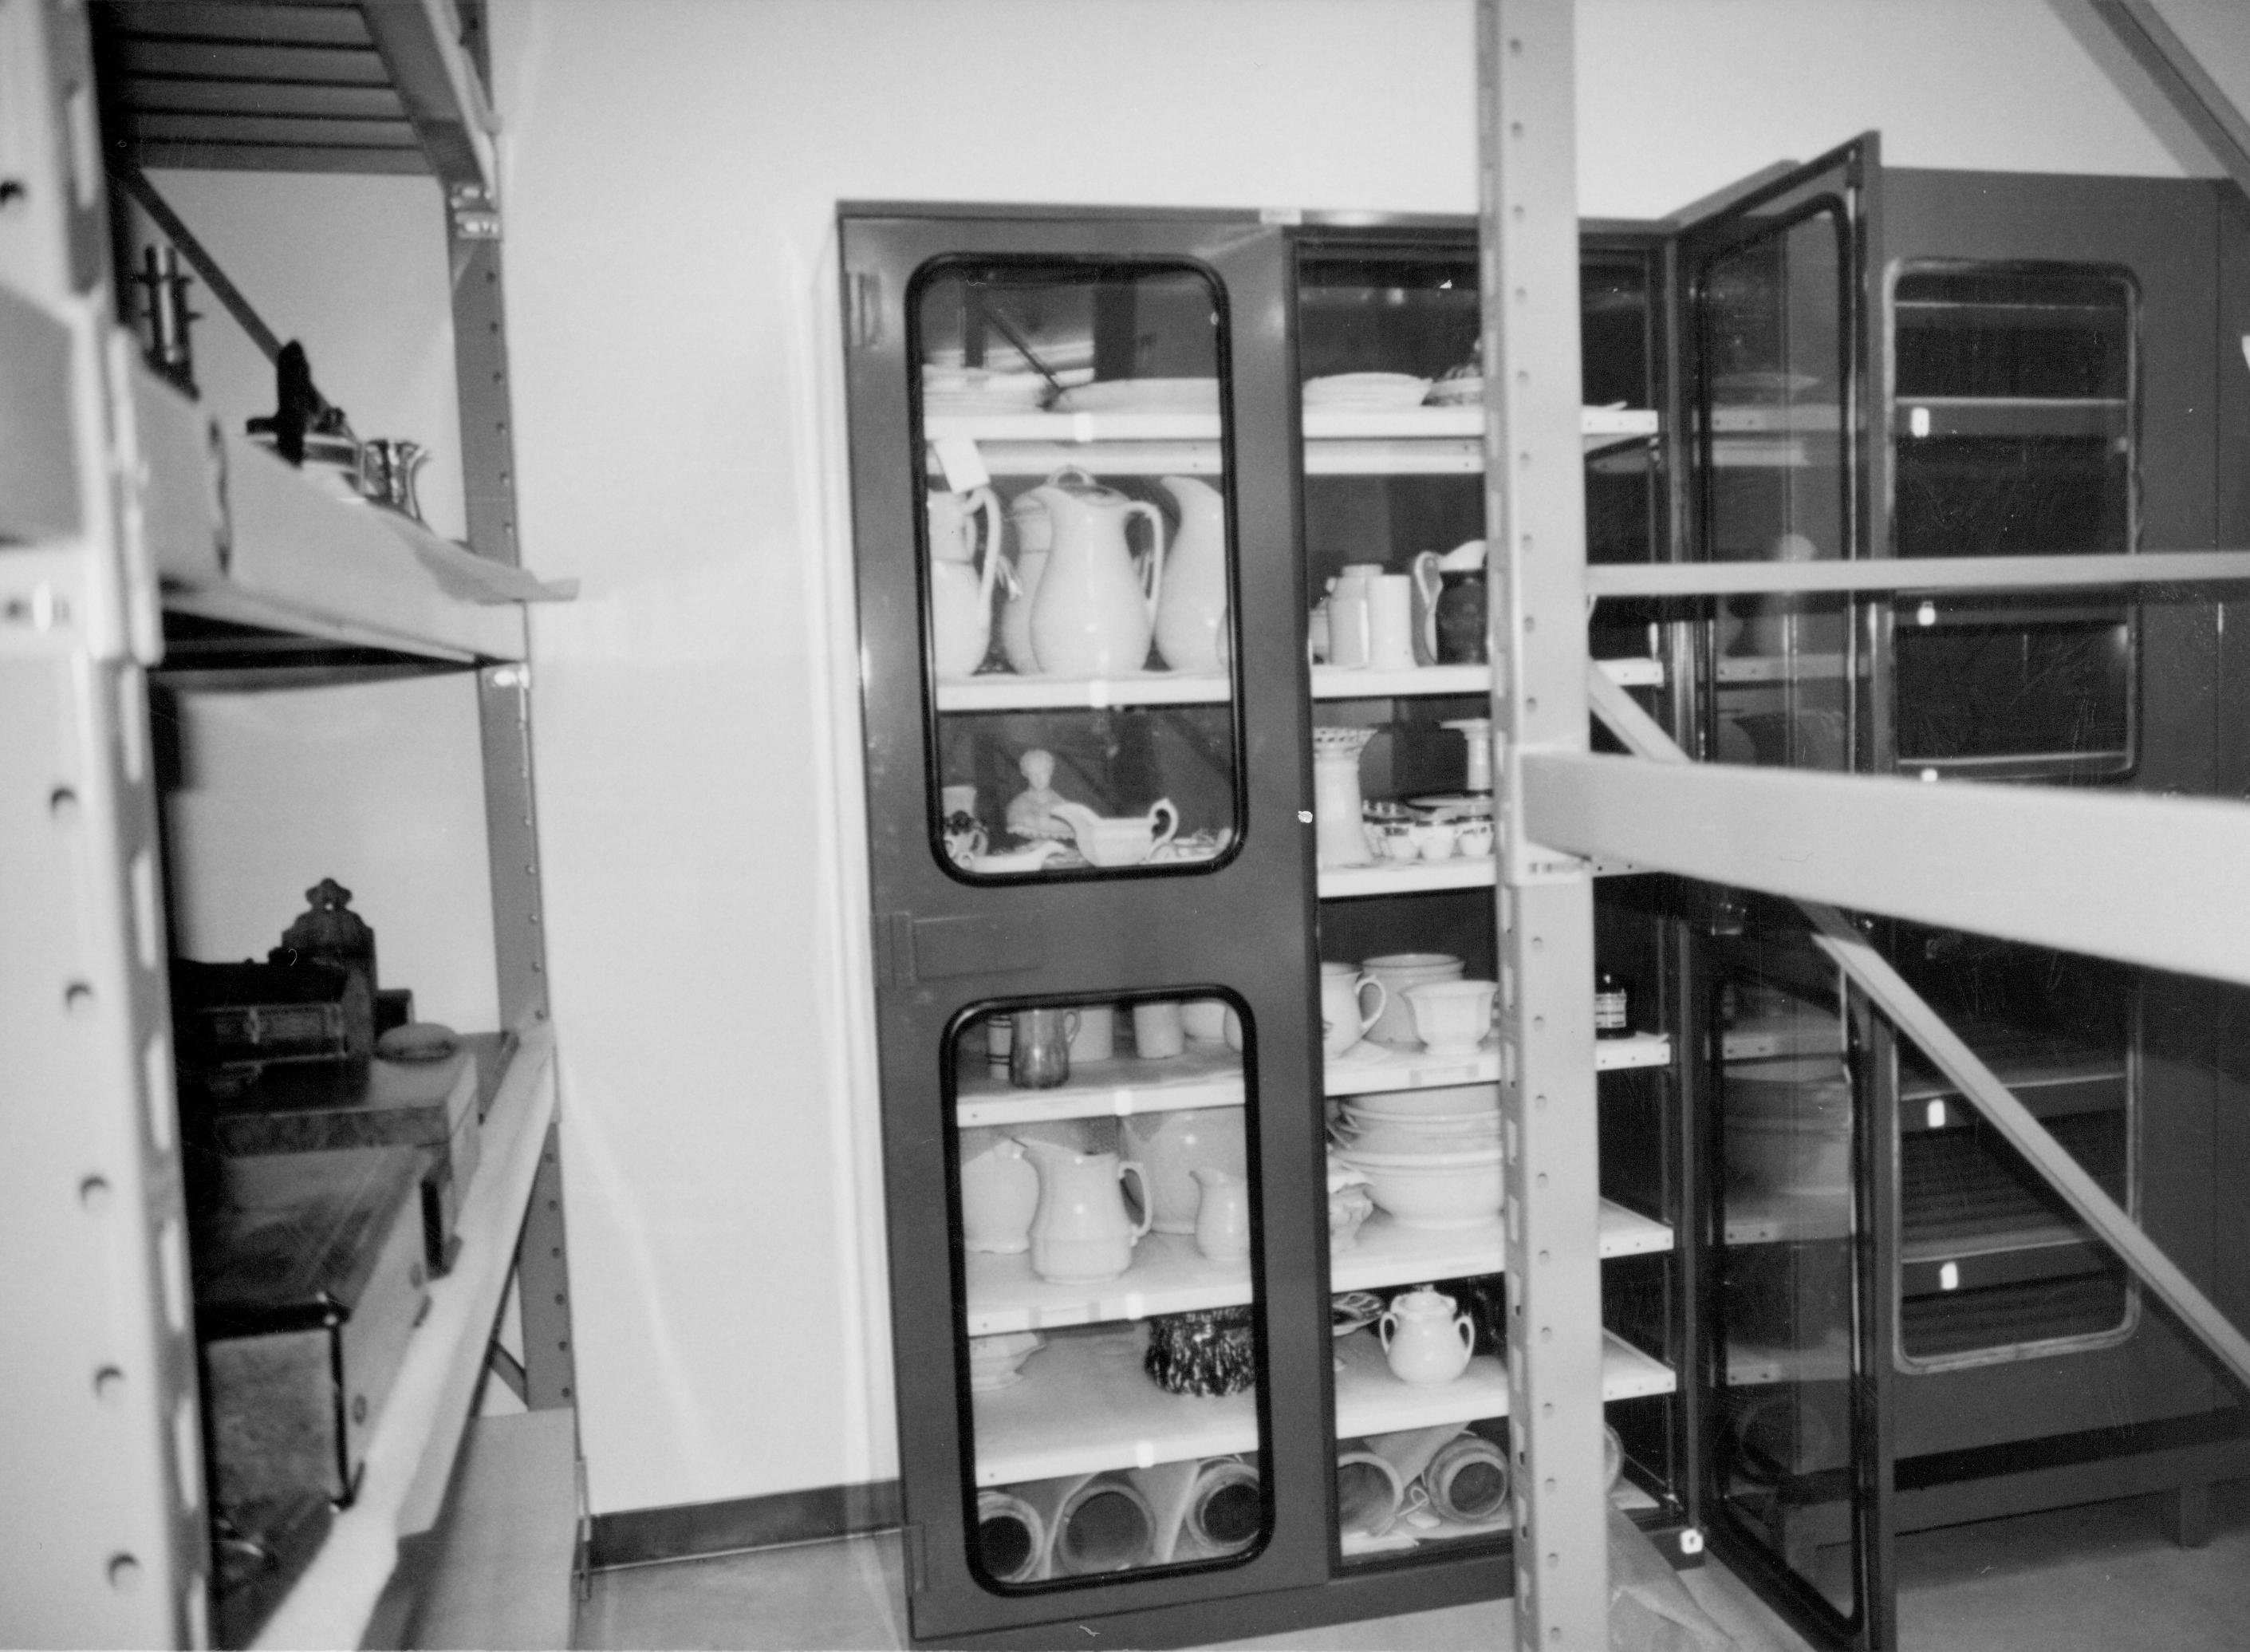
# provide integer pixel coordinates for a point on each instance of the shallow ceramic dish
(1366, 391)
(998, 1362)
(1349, 1309)
(1439, 1098)
(1404, 1144)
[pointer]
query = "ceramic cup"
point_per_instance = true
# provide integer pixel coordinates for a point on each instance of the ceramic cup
(1233, 1031)
(1344, 1015)
(1434, 839)
(1158, 1032)
(1397, 972)
(1451, 1018)
(1474, 839)
(958, 799)
(1096, 1037)
(1391, 623)
(1203, 1019)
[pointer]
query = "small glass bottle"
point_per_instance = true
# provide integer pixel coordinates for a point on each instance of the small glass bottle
(1612, 1006)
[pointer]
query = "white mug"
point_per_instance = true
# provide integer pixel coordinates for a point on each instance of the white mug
(1203, 1019)
(1343, 992)
(1348, 615)
(1391, 623)
(1157, 1029)
(1096, 1037)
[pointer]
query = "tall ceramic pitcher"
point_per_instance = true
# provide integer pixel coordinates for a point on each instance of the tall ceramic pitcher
(1191, 619)
(1095, 612)
(961, 593)
(1082, 1232)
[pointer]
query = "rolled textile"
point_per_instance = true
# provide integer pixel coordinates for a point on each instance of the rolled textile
(1226, 1509)
(1105, 1526)
(1369, 1491)
(1466, 1479)
(1011, 1538)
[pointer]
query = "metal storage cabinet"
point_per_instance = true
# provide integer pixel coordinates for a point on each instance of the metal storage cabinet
(934, 297)
(117, 522)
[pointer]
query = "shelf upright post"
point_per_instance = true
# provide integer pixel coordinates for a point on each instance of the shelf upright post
(472, 226)
(1535, 508)
(102, 1532)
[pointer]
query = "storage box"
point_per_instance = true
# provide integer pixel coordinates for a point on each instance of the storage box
(309, 1280)
(426, 1104)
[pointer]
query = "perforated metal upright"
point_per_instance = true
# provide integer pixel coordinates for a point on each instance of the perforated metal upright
(1535, 515)
(101, 1458)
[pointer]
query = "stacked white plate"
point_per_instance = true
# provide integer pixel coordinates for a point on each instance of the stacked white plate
(1457, 392)
(980, 389)
(1424, 1177)
(1366, 392)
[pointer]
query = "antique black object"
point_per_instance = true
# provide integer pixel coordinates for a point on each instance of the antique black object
(309, 1278)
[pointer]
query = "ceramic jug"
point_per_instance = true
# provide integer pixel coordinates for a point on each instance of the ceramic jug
(1039, 1054)
(1082, 1232)
(960, 591)
(1348, 629)
(1425, 1337)
(1344, 1017)
(1222, 1223)
(1119, 839)
(1449, 599)
(1016, 612)
(1172, 1146)
(1191, 619)
(1094, 611)
(999, 1195)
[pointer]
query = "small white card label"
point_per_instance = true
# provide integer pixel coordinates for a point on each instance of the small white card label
(963, 464)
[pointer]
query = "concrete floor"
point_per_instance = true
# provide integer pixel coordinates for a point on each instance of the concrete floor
(2098, 1579)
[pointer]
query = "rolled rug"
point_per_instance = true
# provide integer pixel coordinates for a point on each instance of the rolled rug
(1105, 1526)
(1368, 1491)
(1467, 1480)
(1011, 1538)
(1226, 1509)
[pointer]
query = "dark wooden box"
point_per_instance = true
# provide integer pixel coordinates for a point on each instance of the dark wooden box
(310, 1276)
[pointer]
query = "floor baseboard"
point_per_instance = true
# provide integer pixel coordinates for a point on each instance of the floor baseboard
(683, 1531)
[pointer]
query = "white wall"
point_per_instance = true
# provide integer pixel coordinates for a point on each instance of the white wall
(671, 177)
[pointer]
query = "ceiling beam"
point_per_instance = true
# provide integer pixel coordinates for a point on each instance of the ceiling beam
(2199, 100)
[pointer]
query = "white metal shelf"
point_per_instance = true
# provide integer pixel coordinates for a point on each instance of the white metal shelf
(1170, 1276)
(410, 1455)
(1085, 1405)
(1410, 682)
(1407, 877)
(1367, 1067)
(1201, 1076)
(1403, 441)
(1776, 1219)
(302, 561)
(1005, 691)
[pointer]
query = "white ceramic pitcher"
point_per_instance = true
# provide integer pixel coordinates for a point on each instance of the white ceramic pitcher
(1095, 612)
(1082, 1233)
(961, 591)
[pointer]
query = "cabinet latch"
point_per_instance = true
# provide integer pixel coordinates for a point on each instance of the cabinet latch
(863, 296)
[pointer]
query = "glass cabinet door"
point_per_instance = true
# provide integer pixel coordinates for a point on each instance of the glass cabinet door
(1388, 323)
(1795, 1301)
(1082, 690)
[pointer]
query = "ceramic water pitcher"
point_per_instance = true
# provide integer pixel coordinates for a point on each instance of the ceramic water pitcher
(961, 588)
(1083, 1233)
(1172, 1146)
(999, 1195)
(1425, 1337)
(1038, 1055)
(1222, 1223)
(1095, 612)
(1191, 619)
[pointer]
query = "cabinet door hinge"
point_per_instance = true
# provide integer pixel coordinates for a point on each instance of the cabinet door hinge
(913, 1552)
(863, 296)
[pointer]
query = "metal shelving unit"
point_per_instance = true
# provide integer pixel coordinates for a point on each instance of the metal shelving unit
(131, 523)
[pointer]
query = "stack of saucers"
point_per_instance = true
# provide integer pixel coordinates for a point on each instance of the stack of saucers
(1431, 1157)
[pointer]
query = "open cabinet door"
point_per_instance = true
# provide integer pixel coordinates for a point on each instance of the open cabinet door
(1777, 386)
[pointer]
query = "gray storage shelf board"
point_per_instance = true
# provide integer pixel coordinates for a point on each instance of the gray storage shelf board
(319, 85)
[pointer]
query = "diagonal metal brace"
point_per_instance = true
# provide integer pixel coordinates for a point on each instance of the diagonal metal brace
(1869, 971)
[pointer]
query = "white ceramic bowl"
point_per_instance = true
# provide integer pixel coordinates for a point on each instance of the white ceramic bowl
(1421, 1136)
(998, 1361)
(1443, 1100)
(1436, 1195)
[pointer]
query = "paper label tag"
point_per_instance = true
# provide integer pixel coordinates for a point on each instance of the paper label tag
(963, 464)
